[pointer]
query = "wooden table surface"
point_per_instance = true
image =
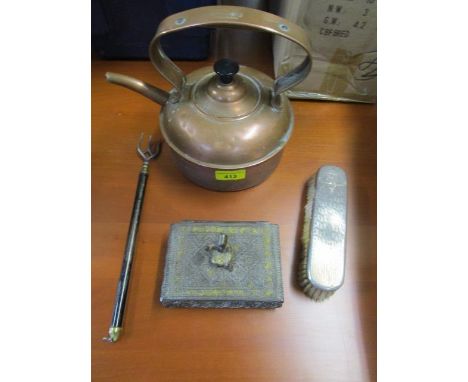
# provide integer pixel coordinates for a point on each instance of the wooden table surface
(302, 341)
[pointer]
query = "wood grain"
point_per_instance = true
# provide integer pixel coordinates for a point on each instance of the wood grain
(302, 341)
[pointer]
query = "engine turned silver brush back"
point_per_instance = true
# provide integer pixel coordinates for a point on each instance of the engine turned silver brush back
(324, 234)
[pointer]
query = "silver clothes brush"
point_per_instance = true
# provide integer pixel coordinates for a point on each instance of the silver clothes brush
(322, 267)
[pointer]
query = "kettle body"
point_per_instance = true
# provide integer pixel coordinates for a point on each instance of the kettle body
(227, 125)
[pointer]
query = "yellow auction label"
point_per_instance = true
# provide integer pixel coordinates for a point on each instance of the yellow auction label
(230, 174)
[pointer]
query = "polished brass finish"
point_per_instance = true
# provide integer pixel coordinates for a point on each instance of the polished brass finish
(214, 124)
(114, 334)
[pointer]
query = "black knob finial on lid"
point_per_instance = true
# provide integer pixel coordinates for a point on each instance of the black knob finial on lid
(226, 69)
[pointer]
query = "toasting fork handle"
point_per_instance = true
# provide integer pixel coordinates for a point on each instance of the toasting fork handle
(122, 287)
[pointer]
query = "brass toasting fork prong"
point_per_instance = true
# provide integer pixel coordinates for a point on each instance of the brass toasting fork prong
(150, 152)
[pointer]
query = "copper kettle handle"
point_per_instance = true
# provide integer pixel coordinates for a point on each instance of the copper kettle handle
(230, 16)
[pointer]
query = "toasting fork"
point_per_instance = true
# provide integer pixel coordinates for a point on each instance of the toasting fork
(151, 151)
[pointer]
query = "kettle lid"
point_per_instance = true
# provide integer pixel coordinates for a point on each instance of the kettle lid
(225, 119)
(227, 94)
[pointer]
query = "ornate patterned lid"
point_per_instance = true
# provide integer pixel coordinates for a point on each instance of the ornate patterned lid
(223, 265)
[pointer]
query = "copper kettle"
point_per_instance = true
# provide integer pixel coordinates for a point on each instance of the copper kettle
(225, 125)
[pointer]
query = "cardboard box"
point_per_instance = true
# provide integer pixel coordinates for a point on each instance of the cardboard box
(344, 49)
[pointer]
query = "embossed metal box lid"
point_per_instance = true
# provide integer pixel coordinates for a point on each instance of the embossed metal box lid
(223, 265)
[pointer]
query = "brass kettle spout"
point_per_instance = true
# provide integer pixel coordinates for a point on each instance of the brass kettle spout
(145, 89)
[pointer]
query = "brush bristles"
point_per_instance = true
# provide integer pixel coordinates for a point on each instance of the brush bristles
(308, 215)
(313, 292)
